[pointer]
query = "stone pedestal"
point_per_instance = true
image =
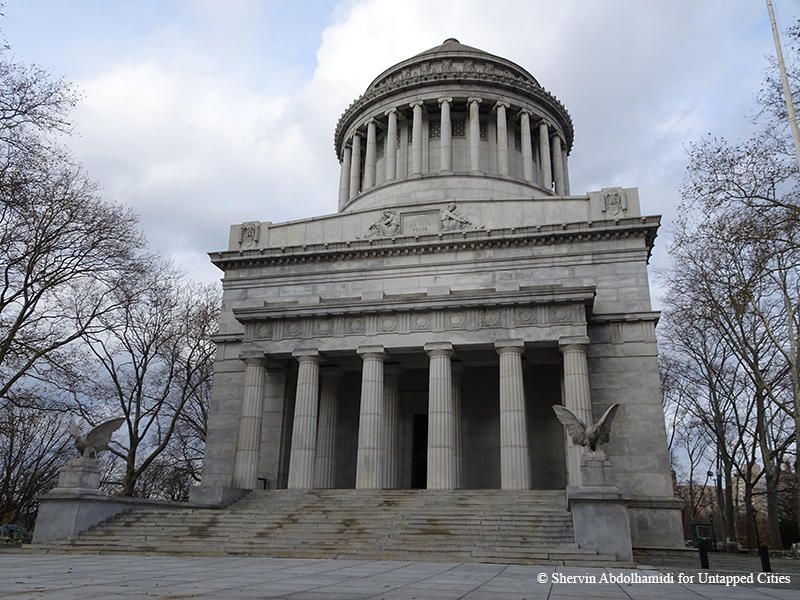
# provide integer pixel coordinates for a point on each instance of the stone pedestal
(599, 512)
(80, 476)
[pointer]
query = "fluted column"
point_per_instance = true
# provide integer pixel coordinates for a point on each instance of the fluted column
(446, 137)
(457, 368)
(544, 156)
(391, 426)
(355, 166)
(441, 423)
(325, 476)
(566, 170)
(558, 165)
(369, 461)
(245, 470)
(527, 146)
(502, 138)
(344, 178)
(390, 152)
(416, 139)
(577, 396)
(371, 156)
(474, 134)
(304, 432)
(515, 471)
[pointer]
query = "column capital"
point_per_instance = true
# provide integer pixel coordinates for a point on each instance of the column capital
(371, 351)
(503, 346)
(252, 357)
(392, 110)
(416, 103)
(501, 104)
(543, 122)
(524, 111)
(370, 121)
(439, 349)
(472, 99)
(306, 355)
(573, 343)
(447, 99)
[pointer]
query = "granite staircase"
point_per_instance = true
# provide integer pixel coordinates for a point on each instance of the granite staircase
(514, 527)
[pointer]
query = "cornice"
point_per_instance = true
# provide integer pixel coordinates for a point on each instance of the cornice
(419, 302)
(536, 235)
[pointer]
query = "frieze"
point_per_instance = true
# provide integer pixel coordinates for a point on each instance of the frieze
(456, 319)
(420, 222)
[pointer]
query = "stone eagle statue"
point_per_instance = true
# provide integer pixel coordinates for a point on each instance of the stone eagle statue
(591, 438)
(97, 439)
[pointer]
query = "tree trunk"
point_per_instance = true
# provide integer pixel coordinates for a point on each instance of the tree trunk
(748, 510)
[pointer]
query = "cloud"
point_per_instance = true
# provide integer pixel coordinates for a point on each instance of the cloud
(195, 143)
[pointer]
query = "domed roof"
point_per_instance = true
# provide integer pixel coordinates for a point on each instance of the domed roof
(452, 48)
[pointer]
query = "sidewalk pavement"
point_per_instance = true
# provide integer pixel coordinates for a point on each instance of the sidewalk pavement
(28, 576)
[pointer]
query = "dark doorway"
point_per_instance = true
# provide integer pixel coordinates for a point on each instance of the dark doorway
(419, 452)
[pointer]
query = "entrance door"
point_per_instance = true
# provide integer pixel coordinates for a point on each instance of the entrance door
(419, 452)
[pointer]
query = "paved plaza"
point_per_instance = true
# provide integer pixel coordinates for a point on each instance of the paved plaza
(79, 577)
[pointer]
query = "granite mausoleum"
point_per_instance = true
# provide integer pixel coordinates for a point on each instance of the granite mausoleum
(419, 337)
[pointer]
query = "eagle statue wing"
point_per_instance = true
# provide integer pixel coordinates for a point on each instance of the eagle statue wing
(74, 430)
(99, 437)
(604, 424)
(575, 427)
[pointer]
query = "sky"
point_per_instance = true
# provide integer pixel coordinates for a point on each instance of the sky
(203, 113)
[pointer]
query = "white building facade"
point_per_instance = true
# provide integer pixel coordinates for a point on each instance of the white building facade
(419, 337)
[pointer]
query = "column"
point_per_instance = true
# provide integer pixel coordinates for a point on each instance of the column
(558, 165)
(344, 177)
(245, 470)
(566, 171)
(416, 139)
(515, 471)
(369, 462)
(446, 145)
(304, 431)
(544, 156)
(325, 474)
(502, 138)
(355, 166)
(391, 426)
(577, 396)
(474, 135)
(441, 422)
(457, 368)
(527, 147)
(371, 156)
(390, 153)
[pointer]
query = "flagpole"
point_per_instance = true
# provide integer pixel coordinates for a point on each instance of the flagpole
(787, 92)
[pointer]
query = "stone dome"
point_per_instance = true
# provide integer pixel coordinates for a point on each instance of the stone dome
(488, 129)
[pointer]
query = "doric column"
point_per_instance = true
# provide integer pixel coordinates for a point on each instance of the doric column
(391, 426)
(577, 396)
(416, 139)
(371, 156)
(515, 471)
(502, 138)
(441, 423)
(457, 368)
(344, 178)
(558, 165)
(390, 152)
(304, 431)
(566, 171)
(325, 475)
(527, 147)
(369, 462)
(355, 166)
(544, 156)
(474, 135)
(446, 139)
(245, 470)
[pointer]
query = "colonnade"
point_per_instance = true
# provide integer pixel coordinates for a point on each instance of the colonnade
(550, 154)
(312, 462)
